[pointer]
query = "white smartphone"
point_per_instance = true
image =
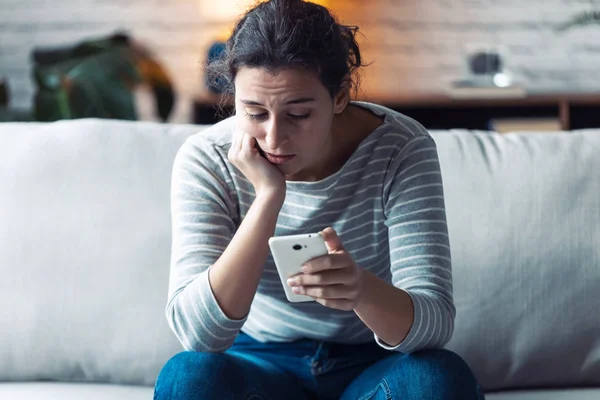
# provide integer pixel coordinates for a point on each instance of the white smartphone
(290, 252)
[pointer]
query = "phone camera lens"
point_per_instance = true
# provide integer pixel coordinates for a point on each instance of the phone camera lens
(297, 247)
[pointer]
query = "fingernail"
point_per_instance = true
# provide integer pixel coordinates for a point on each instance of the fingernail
(304, 268)
(291, 281)
(296, 289)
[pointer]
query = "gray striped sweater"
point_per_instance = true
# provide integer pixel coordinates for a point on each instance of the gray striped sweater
(386, 204)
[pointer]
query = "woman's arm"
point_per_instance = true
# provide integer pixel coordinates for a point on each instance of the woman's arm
(215, 265)
(235, 276)
(387, 310)
(416, 310)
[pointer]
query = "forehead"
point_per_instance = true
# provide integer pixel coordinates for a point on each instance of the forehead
(282, 82)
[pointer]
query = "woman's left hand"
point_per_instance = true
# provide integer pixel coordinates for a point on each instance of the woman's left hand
(334, 280)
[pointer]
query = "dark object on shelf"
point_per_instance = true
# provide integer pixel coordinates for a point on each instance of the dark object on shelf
(96, 79)
(485, 63)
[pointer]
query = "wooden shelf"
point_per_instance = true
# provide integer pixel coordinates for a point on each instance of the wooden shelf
(438, 111)
(425, 99)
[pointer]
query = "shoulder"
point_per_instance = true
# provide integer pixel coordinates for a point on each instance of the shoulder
(204, 155)
(395, 121)
(217, 136)
(210, 145)
(399, 133)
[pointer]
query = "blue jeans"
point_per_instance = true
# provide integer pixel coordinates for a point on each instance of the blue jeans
(310, 369)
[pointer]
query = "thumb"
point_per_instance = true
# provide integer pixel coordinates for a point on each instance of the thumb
(332, 240)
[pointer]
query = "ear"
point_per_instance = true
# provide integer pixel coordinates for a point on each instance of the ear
(341, 99)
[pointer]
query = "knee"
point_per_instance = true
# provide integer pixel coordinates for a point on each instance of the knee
(434, 374)
(198, 364)
(439, 362)
(191, 372)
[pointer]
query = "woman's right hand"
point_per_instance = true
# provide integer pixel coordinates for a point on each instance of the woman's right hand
(264, 176)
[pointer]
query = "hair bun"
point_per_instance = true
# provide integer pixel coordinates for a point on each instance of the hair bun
(278, 34)
(285, 3)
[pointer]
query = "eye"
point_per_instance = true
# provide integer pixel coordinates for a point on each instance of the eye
(303, 116)
(259, 117)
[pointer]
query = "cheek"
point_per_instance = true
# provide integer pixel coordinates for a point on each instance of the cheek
(248, 127)
(315, 135)
(309, 144)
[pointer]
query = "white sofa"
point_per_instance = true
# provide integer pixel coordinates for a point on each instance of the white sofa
(85, 242)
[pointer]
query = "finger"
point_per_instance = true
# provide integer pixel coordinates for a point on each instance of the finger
(235, 140)
(324, 263)
(332, 240)
(325, 292)
(329, 277)
(233, 150)
(248, 144)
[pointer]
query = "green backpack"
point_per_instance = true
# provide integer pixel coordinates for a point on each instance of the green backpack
(97, 79)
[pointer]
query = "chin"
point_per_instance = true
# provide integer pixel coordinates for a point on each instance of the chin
(288, 170)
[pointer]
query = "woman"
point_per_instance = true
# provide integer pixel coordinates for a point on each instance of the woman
(300, 157)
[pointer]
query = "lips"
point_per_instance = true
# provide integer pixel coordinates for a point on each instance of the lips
(279, 159)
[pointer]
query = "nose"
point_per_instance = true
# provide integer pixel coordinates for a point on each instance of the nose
(275, 135)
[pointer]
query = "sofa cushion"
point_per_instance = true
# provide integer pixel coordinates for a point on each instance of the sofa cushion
(78, 391)
(84, 250)
(72, 391)
(564, 394)
(524, 222)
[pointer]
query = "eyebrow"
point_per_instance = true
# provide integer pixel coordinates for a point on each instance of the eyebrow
(295, 101)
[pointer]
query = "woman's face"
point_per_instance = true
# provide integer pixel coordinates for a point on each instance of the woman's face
(289, 113)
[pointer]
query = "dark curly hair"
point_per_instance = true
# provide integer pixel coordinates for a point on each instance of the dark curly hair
(280, 34)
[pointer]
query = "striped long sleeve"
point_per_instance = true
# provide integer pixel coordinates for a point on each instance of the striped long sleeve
(203, 223)
(418, 243)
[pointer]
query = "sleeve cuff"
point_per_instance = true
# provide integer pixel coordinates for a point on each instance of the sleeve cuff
(214, 310)
(414, 339)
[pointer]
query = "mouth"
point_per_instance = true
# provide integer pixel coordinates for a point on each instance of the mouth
(279, 159)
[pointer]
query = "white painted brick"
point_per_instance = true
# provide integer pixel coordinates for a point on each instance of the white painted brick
(414, 45)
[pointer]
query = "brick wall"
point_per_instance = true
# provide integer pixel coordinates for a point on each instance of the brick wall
(415, 46)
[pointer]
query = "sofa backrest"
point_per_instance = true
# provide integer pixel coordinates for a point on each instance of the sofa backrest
(84, 250)
(524, 219)
(85, 244)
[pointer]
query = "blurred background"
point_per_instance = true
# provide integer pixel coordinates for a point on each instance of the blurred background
(475, 64)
